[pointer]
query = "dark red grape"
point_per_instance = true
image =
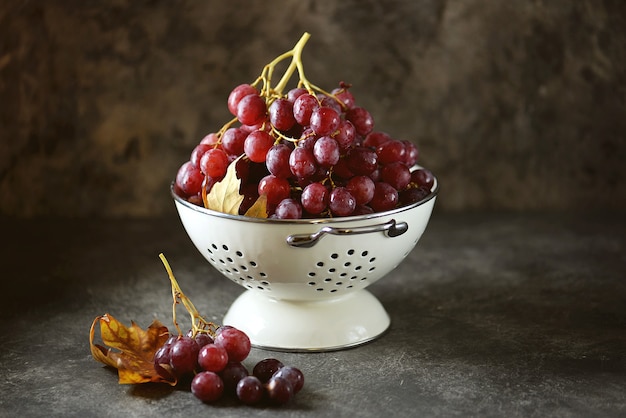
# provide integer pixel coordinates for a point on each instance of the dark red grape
(314, 198)
(279, 390)
(266, 368)
(390, 152)
(203, 339)
(362, 188)
(423, 177)
(385, 197)
(362, 160)
(344, 96)
(277, 160)
(232, 374)
(207, 386)
(184, 355)
(303, 108)
(326, 151)
(294, 93)
(411, 153)
(233, 140)
(257, 144)
(346, 135)
(375, 139)
(250, 390)
(214, 163)
(396, 174)
(281, 114)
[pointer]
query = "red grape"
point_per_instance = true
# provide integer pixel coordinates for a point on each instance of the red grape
(281, 114)
(396, 174)
(232, 374)
(257, 144)
(250, 390)
(303, 108)
(362, 188)
(314, 198)
(212, 358)
(184, 355)
(275, 188)
(385, 197)
(189, 179)
(361, 119)
(341, 202)
(288, 209)
(362, 160)
(214, 163)
(325, 121)
(391, 151)
(266, 368)
(277, 160)
(233, 140)
(236, 343)
(302, 162)
(326, 151)
(293, 375)
(251, 110)
(207, 386)
(237, 94)
(279, 390)
(423, 177)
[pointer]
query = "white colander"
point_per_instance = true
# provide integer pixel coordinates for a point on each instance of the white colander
(306, 278)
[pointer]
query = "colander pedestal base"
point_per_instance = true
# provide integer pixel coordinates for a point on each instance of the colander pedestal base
(323, 325)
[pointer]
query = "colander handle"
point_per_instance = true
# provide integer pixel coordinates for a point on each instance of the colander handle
(390, 228)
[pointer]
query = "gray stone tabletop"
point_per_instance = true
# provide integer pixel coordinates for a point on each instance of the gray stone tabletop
(492, 315)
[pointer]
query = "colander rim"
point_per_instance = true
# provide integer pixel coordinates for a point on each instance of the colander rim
(434, 192)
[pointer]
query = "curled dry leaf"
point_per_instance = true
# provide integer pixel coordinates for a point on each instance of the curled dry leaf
(129, 349)
(259, 208)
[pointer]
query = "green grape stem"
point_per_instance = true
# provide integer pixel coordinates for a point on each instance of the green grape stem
(198, 323)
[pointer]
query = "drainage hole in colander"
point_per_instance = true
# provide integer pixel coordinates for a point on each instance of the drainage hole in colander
(332, 270)
(364, 254)
(311, 283)
(349, 286)
(311, 274)
(239, 253)
(265, 283)
(320, 264)
(338, 284)
(222, 261)
(372, 268)
(214, 246)
(350, 252)
(244, 268)
(225, 247)
(372, 259)
(328, 279)
(344, 274)
(353, 278)
(253, 263)
(333, 290)
(347, 264)
(334, 256)
(230, 260)
(357, 268)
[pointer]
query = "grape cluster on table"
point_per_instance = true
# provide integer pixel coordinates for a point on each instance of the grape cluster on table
(313, 154)
(215, 367)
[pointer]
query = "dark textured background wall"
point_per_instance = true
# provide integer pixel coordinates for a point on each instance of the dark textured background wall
(514, 104)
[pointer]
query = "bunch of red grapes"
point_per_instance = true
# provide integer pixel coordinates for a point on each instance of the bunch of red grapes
(312, 154)
(215, 366)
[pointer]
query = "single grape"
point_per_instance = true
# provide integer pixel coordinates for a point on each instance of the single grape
(423, 177)
(236, 343)
(232, 374)
(275, 188)
(302, 162)
(385, 197)
(214, 163)
(237, 94)
(396, 174)
(314, 198)
(362, 160)
(362, 188)
(212, 358)
(207, 386)
(303, 108)
(279, 390)
(342, 170)
(344, 96)
(277, 160)
(325, 121)
(281, 114)
(184, 355)
(293, 375)
(189, 179)
(326, 151)
(363, 210)
(266, 368)
(257, 144)
(413, 195)
(288, 209)
(346, 135)
(233, 140)
(362, 120)
(250, 390)
(341, 202)
(391, 151)
(251, 110)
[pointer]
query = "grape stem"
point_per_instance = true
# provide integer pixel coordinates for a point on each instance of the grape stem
(198, 323)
